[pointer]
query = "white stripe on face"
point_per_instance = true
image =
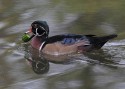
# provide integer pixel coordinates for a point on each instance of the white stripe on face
(38, 34)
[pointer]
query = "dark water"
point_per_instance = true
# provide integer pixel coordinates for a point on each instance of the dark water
(102, 69)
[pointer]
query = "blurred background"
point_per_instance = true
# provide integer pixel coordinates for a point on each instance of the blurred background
(104, 69)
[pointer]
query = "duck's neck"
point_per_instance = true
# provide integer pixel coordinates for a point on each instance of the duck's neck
(37, 41)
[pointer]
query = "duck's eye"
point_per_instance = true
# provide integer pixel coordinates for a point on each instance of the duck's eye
(40, 31)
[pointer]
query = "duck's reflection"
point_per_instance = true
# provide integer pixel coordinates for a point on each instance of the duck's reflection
(39, 64)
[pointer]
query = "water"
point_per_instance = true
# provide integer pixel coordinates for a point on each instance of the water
(102, 69)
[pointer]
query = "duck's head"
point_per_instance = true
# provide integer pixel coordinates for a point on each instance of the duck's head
(39, 29)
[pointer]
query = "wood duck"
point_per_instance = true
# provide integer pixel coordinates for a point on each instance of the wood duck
(64, 43)
(56, 47)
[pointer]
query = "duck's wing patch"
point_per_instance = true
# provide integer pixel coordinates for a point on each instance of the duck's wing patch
(68, 41)
(72, 39)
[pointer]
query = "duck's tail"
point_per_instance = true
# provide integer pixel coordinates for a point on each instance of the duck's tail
(98, 42)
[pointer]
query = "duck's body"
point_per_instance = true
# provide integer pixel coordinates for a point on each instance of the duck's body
(70, 43)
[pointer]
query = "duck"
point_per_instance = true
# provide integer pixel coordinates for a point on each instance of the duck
(59, 45)
(63, 43)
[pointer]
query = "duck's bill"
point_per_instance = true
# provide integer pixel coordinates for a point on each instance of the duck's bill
(27, 37)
